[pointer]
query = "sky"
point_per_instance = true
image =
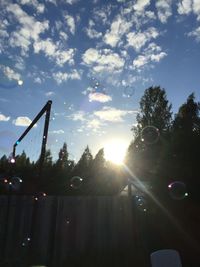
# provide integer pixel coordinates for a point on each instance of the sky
(93, 59)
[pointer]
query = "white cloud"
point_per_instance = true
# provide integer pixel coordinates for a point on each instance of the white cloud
(47, 46)
(10, 73)
(118, 28)
(88, 121)
(195, 33)
(112, 114)
(37, 80)
(102, 14)
(63, 35)
(39, 7)
(196, 8)
(104, 60)
(91, 32)
(138, 39)
(164, 9)
(94, 124)
(22, 121)
(88, 90)
(3, 29)
(50, 93)
(99, 97)
(52, 51)
(58, 131)
(140, 5)
(152, 54)
(60, 77)
(71, 2)
(29, 31)
(78, 116)
(4, 118)
(185, 7)
(70, 23)
(140, 61)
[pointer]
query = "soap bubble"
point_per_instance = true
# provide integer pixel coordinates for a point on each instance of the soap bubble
(16, 183)
(128, 91)
(39, 195)
(76, 182)
(141, 203)
(177, 190)
(20, 82)
(150, 135)
(4, 183)
(26, 242)
(97, 86)
(11, 158)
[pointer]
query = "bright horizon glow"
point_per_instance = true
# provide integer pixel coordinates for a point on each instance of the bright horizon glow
(115, 150)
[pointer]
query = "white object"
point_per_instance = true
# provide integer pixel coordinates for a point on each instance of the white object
(166, 258)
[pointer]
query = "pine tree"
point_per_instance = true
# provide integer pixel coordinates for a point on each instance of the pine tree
(63, 161)
(185, 143)
(155, 110)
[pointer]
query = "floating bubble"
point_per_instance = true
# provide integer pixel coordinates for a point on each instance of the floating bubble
(177, 190)
(4, 183)
(76, 182)
(97, 86)
(16, 183)
(150, 135)
(11, 158)
(39, 195)
(128, 91)
(141, 203)
(20, 82)
(26, 242)
(53, 115)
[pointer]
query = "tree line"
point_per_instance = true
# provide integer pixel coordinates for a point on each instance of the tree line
(165, 148)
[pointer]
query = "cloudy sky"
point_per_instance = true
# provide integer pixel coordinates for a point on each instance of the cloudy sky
(93, 59)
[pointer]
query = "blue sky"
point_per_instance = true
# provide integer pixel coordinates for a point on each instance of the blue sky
(93, 59)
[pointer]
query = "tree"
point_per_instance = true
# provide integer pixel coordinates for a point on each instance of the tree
(187, 119)
(185, 143)
(83, 169)
(85, 161)
(144, 159)
(98, 172)
(63, 154)
(47, 159)
(155, 110)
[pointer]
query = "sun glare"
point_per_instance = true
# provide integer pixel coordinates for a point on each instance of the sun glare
(115, 151)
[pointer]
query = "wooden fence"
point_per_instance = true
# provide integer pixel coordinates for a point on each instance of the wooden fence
(79, 231)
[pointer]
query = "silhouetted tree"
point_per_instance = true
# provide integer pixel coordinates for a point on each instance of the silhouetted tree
(98, 172)
(155, 110)
(63, 154)
(185, 143)
(144, 159)
(83, 169)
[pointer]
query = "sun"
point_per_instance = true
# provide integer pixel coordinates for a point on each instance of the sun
(115, 150)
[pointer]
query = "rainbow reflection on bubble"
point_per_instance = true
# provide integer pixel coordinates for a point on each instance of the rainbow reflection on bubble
(177, 190)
